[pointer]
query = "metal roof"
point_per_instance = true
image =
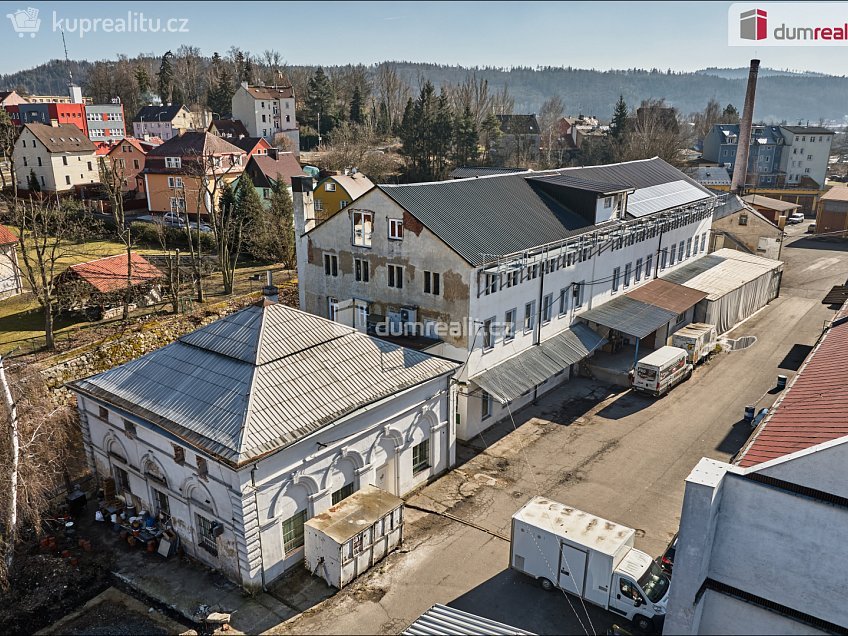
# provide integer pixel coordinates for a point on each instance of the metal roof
(464, 172)
(441, 620)
(711, 175)
(668, 295)
(664, 196)
(629, 316)
(260, 380)
(731, 205)
(814, 408)
(579, 183)
(722, 271)
(514, 376)
(771, 204)
(642, 173)
(355, 513)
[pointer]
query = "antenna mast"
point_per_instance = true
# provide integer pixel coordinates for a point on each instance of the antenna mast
(67, 61)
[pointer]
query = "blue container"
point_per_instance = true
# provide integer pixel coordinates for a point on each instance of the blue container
(749, 414)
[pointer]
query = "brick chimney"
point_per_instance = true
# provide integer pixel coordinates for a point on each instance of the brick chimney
(743, 145)
(304, 220)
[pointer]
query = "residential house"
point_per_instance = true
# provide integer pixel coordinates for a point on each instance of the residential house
(712, 177)
(11, 283)
(832, 214)
(737, 224)
(60, 156)
(246, 428)
(761, 548)
(805, 154)
(164, 122)
(775, 210)
(251, 145)
(184, 173)
(105, 122)
(128, 158)
(520, 140)
(495, 271)
(337, 191)
(11, 98)
(268, 112)
(228, 128)
(264, 170)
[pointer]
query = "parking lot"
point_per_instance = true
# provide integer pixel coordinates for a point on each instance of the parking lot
(616, 454)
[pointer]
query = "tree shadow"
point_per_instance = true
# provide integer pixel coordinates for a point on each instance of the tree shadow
(735, 439)
(793, 360)
(625, 405)
(827, 244)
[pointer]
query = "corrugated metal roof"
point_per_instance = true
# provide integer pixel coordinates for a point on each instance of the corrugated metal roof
(629, 316)
(771, 204)
(514, 376)
(731, 205)
(355, 513)
(465, 172)
(663, 196)
(441, 620)
(643, 173)
(578, 183)
(722, 271)
(668, 295)
(260, 380)
(814, 408)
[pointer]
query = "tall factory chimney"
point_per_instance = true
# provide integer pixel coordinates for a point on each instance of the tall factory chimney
(740, 166)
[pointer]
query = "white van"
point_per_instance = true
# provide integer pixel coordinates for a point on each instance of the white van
(659, 372)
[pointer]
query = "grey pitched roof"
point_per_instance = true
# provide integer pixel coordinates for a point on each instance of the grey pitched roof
(711, 175)
(580, 183)
(630, 316)
(259, 380)
(465, 172)
(158, 113)
(732, 204)
(61, 138)
(505, 214)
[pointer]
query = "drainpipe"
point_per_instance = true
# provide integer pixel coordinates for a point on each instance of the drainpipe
(258, 528)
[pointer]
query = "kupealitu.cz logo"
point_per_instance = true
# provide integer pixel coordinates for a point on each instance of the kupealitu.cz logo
(26, 21)
(788, 24)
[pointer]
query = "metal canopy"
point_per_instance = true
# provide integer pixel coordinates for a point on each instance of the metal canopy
(629, 316)
(441, 620)
(516, 375)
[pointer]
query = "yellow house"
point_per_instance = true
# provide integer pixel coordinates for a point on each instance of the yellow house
(337, 191)
(182, 174)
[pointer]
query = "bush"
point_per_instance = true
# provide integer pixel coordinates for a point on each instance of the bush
(147, 235)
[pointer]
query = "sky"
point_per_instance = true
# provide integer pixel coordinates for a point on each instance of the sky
(682, 36)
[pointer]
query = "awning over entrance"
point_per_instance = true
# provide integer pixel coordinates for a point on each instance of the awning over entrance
(630, 316)
(517, 375)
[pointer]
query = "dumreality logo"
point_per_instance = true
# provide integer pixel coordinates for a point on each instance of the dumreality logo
(753, 25)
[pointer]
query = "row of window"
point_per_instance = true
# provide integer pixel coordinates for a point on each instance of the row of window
(362, 227)
(675, 253)
(394, 274)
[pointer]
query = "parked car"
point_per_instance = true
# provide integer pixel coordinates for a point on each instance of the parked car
(796, 217)
(666, 561)
(173, 219)
(204, 227)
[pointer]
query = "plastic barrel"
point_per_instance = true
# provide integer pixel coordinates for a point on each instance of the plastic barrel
(781, 382)
(749, 414)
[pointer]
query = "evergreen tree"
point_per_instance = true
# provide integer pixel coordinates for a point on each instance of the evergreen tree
(490, 132)
(356, 106)
(465, 139)
(143, 80)
(320, 101)
(282, 213)
(247, 71)
(730, 115)
(32, 182)
(618, 126)
(220, 96)
(442, 138)
(166, 79)
(384, 125)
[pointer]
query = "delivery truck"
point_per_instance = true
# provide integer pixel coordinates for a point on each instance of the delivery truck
(659, 372)
(584, 555)
(697, 339)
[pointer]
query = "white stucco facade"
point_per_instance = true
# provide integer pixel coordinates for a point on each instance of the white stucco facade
(268, 113)
(54, 171)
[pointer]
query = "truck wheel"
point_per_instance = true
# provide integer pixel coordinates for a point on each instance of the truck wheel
(546, 584)
(643, 623)
(688, 375)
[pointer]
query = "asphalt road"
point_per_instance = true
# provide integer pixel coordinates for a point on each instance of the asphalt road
(620, 456)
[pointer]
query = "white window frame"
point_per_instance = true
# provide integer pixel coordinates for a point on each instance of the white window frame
(509, 325)
(329, 187)
(173, 162)
(616, 279)
(362, 237)
(333, 308)
(529, 316)
(547, 308)
(395, 229)
(486, 406)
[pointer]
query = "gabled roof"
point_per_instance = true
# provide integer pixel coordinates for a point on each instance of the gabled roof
(260, 380)
(519, 124)
(711, 175)
(355, 184)
(158, 113)
(229, 127)
(61, 138)
(836, 193)
(142, 145)
(110, 273)
(814, 408)
(771, 204)
(722, 271)
(580, 183)
(249, 144)
(270, 92)
(464, 172)
(195, 144)
(285, 164)
(7, 237)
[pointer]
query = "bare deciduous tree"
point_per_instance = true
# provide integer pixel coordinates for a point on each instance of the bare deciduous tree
(112, 177)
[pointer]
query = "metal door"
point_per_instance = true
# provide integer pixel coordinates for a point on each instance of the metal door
(572, 568)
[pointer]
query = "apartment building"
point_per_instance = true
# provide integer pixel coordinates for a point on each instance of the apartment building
(60, 156)
(268, 112)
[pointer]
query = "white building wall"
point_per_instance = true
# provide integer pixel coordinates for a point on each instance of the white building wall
(81, 167)
(10, 273)
(804, 152)
(727, 615)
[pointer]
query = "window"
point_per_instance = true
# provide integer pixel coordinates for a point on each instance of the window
(547, 308)
(638, 273)
(173, 162)
(202, 466)
(179, 454)
(342, 493)
(64, 161)
(263, 118)
(421, 456)
(363, 226)
(331, 265)
(529, 311)
(163, 506)
(67, 180)
(329, 187)
(319, 205)
(509, 325)
(206, 538)
(122, 479)
(491, 283)
(488, 336)
(293, 531)
(103, 413)
(129, 429)
(136, 165)
(688, 247)
(673, 254)
(608, 202)
(432, 283)
(90, 168)
(627, 271)
(681, 318)
(703, 241)
(25, 162)
(361, 270)
(649, 265)
(680, 251)
(175, 182)
(178, 204)
(809, 156)
(563, 301)
(395, 229)
(629, 590)
(616, 276)
(395, 276)
(332, 308)
(577, 292)
(486, 408)
(343, 203)
(695, 244)
(743, 219)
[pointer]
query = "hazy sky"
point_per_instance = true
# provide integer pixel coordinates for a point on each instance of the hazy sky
(602, 35)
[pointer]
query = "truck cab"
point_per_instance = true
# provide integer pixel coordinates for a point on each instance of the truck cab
(639, 590)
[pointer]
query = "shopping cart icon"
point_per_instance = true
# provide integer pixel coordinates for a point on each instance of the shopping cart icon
(25, 21)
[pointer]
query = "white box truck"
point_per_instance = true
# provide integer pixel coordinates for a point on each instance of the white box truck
(659, 372)
(590, 557)
(698, 339)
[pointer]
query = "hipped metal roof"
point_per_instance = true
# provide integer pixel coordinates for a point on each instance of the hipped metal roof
(630, 316)
(260, 380)
(441, 620)
(516, 375)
